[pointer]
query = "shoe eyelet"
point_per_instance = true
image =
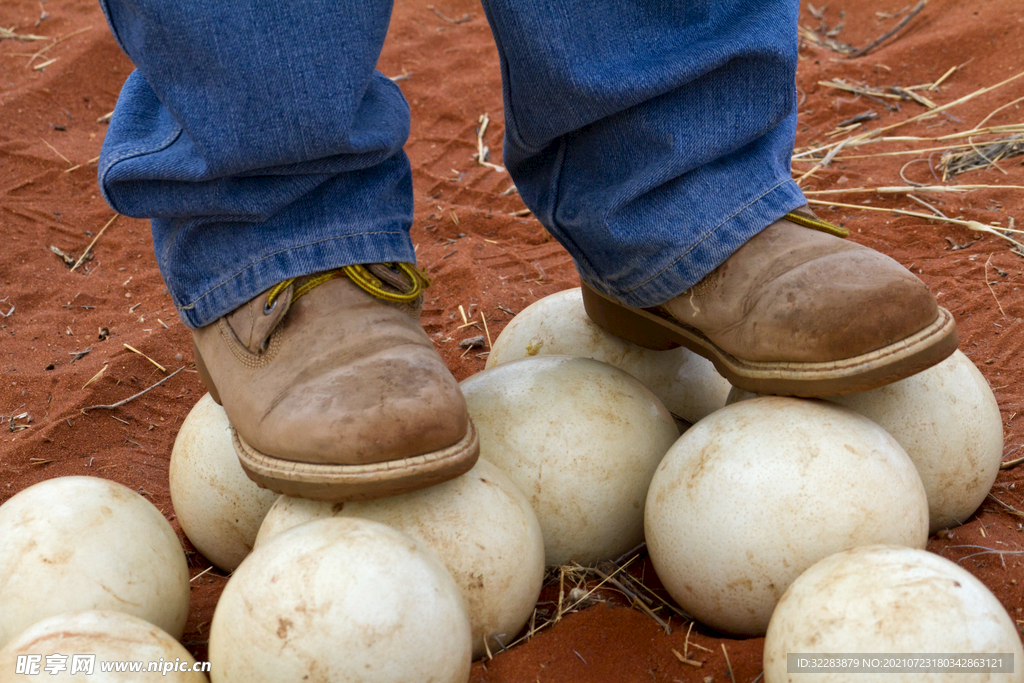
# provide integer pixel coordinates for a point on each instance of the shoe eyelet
(269, 307)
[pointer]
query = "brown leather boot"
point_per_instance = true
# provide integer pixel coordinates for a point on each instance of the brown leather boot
(333, 389)
(798, 312)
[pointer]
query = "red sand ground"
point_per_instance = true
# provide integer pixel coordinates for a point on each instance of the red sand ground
(480, 257)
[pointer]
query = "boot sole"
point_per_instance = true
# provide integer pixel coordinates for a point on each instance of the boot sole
(336, 483)
(646, 328)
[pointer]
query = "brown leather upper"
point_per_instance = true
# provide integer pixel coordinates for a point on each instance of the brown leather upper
(796, 294)
(336, 377)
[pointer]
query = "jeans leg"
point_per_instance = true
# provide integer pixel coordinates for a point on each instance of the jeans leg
(260, 140)
(651, 137)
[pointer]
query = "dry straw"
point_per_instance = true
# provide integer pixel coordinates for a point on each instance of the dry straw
(970, 225)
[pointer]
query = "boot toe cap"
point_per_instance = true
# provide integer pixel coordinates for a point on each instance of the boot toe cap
(379, 410)
(842, 306)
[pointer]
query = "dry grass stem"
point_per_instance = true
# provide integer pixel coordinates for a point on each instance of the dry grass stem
(1007, 507)
(43, 65)
(202, 573)
(884, 37)
(56, 42)
(13, 426)
(823, 163)
(953, 163)
(561, 594)
(9, 34)
(687, 660)
(70, 163)
(927, 206)
(486, 331)
(482, 153)
(94, 240)
(461, 20)
(903, 189)
(908, 152)
(970, 225)
(844, 129)
(636, 600)
(860, 139)
(985, 551)
(942, 79)
(839, 84)
(892, 92)
(974, 132)
(859, 118)
(135, 350)
(725, 652)
(113, 406)
(95, 377)
(997, 110)
(989, 284)
(826, 41)
(910, 94)
(1010, 464)
(948, 105)
(575, 599)
(520, 213)
(487, 648)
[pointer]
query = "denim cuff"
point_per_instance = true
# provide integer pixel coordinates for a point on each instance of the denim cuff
(378, 246)
(707, 252)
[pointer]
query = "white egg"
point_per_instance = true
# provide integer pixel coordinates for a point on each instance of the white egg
(757, 492)
(582, 440)
(947, 420)
(884, 599)
(78, 543)
(220, 509)
(480, 525)
(686, 383)
(91, 645)
(341, 599)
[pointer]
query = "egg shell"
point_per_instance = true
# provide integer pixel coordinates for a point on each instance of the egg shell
(759, 491)
(582, 440)
(220, 509)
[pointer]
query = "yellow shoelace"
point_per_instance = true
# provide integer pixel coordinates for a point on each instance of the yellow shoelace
(362, 277)
(817, 224)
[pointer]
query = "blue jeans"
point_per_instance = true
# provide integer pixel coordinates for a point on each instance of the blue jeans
(651, 137)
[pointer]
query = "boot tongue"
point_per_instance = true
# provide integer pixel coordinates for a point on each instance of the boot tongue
(392, 277)
(254, 322)
(395, 279)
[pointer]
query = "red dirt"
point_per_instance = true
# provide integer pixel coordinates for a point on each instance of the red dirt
(479, 256)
